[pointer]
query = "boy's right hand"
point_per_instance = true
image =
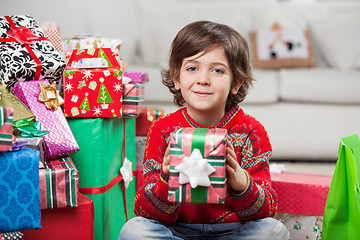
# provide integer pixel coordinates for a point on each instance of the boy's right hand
(166, 161)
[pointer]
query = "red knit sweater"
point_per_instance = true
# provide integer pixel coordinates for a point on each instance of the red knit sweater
(253, 150)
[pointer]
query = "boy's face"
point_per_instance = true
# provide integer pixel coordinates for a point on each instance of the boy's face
(205, 82)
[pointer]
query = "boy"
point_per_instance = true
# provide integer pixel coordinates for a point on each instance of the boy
(210, 74)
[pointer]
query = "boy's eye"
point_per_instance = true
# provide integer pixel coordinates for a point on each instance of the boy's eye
(218, 70)
(191, 69)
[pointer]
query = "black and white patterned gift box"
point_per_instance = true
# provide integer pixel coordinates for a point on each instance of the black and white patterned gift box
(25, 52)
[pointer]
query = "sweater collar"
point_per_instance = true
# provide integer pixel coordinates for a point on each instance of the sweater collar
(229, 115)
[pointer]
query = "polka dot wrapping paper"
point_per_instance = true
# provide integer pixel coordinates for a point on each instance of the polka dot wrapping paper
(60, 142)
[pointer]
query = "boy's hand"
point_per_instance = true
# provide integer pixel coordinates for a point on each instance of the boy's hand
(235, 174)
(166, 161)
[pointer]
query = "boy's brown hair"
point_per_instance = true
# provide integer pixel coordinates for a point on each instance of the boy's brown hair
(202, 36)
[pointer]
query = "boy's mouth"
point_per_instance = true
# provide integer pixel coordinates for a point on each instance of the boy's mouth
(202, 94)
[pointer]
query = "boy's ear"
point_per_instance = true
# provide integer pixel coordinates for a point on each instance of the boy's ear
(237, 86)
(177, 84)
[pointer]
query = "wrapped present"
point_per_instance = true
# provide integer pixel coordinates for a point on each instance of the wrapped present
(12, 235)
(133, 99)
(137, 77)
(52, 32)
(197, 165)
(19, 198)
(300, 193)
(302, 226)
(145, 119)
(104, 142)
(93, 84)
(7, 98)
(66, 223)
(85, 41)
(6, 128)
(36, 143)
(60, 141)
(25, 53)
(59, 184)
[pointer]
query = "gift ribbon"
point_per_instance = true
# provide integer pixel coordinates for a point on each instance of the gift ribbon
(23, 123)
(25, 37)
(32, 130)
(50, 96)
(113, 182)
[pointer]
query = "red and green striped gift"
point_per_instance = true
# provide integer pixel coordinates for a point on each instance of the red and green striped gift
(6, 128)
(133, 99)
(59, 184)
(212, 145)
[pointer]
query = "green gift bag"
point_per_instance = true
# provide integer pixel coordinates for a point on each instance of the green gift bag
(99, 160)
(342, 208)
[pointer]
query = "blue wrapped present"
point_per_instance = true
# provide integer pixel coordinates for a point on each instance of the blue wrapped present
(19, 190)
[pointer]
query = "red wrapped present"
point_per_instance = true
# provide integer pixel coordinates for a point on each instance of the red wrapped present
(197, 165)
(66, 223)
(145, 119)
(60, 141)
(300, 193)
(59, 184)
(93, 84)
(6, 128)
(52, 32)
(25, 53)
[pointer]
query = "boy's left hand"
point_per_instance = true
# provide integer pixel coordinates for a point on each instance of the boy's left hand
(235, 174)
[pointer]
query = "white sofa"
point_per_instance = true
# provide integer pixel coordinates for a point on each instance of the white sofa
(305, 110)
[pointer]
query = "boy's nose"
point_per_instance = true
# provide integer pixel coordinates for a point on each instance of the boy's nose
(204, 79)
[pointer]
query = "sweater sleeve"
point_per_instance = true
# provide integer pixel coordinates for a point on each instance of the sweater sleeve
(151, 199)
(259, 200)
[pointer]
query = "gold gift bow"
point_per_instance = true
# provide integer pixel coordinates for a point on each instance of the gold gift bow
(50, 96)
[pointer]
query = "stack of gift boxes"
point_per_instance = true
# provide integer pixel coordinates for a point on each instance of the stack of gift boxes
(67, 136)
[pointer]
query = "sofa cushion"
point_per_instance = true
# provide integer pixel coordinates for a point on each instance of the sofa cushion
(338, 36)
(321, 85)
(265, 87)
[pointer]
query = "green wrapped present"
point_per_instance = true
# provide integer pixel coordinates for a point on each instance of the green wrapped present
(102, 145)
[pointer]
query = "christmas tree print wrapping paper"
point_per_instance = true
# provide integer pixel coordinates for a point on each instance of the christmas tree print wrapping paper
(60, 142)
(93, 84)
(197, 170)
(99, 161)
(19, 187)
(59, 184)
(6, 128)
(25, 53)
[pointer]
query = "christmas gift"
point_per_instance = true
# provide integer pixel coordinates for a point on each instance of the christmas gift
(25, 53)
(6, 128)
(197, 165)
(137, 77)
(66, 223)
(133, 98)
(19, 198)
(145, 119)
(342, 209)
(59, 184)
(36, 143)
(104, 142)
(52, 32)
(85, 41)
(42, 100)
(7, 98)
(301, 193)
(12, 235)
(93, 84)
